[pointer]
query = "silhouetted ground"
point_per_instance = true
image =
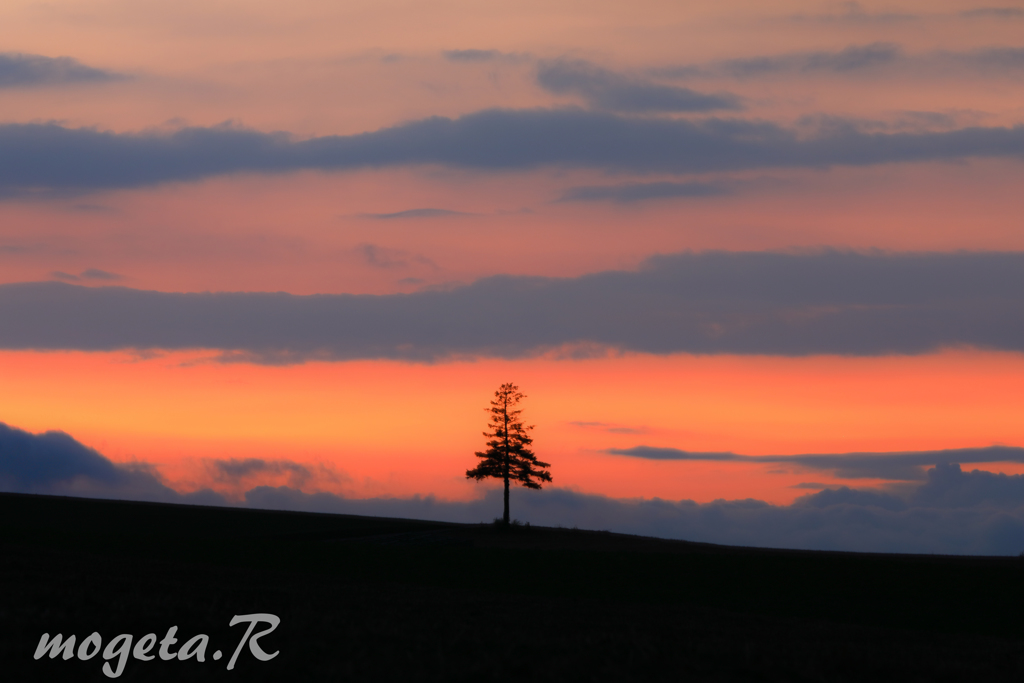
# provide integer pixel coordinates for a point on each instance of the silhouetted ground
(369, 599)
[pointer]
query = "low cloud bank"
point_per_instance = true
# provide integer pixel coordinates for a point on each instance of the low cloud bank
(54, 463)
(951, 512)
(714, 302)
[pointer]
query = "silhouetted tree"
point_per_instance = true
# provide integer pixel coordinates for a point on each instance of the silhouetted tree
(508, 456)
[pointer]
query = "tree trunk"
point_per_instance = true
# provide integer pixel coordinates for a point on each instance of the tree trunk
(506, 494)
(508, 456)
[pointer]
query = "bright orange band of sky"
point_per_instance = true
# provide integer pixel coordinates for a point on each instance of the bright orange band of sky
(386, 428)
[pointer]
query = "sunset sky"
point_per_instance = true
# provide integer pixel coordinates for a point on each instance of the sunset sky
(758, 267)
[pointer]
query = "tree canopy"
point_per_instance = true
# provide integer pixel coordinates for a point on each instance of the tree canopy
(508, 455)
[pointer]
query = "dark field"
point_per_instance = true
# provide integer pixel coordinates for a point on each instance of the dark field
(370, 599)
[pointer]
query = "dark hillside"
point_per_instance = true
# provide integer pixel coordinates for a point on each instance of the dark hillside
(374, 599)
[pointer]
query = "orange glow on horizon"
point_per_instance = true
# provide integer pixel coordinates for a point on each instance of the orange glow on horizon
(399, 429)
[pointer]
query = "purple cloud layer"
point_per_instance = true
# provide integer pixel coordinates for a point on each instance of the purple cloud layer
(714, 302)
(39, 158)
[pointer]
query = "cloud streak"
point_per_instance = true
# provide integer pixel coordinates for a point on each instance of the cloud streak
(853, 60)
(51, 158)
(415, 213)
(715, 302)
(993, 13)
(901, 466)
(477, 56)
(87, 274)
(628, 193)
(848, 60)
(611, 91)
(19, 70)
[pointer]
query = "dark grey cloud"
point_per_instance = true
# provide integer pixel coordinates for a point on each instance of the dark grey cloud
(865, 498)
(627, 193)
(611, 91)
(899, 466)
(55, 463)
(415, 213)
(47, 157)
(949, 487)
(22, 70)
(714, 302)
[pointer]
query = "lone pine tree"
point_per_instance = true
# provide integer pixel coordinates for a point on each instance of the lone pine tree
(508, 455)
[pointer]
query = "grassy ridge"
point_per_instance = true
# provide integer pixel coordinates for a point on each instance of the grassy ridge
(396, 597)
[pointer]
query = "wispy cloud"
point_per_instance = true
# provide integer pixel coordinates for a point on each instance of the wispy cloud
(993, 13)
(67, 277)
(628, 193)
(87, 274)
(415, 213)
(854, 13)
(611, 91)
(476, 56)
(384, 257)
(19, 70)
(609, 427)
(898, 466)
(870, 59)
(97, 274)
(235, 469)
(850, 59)
(239, 474)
